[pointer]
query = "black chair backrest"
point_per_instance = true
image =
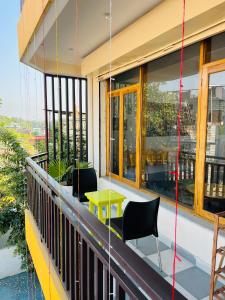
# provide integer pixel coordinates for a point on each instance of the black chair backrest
(84, 180)
(140, 219)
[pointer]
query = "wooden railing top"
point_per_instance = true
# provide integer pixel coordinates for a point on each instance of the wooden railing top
(39, 155)
(141, 273)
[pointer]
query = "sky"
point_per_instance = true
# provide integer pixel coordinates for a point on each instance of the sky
(21, 88)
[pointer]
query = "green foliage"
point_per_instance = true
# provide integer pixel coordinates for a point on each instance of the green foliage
(63, 153)
(161, 110)
(21, 137)
(40, 146)
(13, 199)
(12, 218)
(161, 113)
(12, 165)
(57, 169)
(60, 171)
(83, 164)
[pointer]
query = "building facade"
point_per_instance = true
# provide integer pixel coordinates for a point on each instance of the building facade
(132, 103)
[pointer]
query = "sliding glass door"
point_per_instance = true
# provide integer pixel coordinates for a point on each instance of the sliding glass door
(129, 135)
(211, 187)
(114, 140)
(124, 134)
(142, 139)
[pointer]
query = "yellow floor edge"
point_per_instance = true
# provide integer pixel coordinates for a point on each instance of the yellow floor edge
(50, 282)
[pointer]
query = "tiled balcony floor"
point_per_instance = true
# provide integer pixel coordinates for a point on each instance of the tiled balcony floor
(191, 281)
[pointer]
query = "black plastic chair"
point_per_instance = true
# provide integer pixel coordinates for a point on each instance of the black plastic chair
(84, 180)
(139, 220)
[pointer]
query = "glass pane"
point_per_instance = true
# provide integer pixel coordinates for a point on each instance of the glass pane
(159, 124)
(214, 193)
(216, 47)
(125, 79)
(114, 128)
(129, 136)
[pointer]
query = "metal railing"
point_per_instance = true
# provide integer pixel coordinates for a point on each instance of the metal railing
(66, 117)
(89, 265)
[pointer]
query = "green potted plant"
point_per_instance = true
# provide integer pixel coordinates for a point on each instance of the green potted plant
(83, 165)
(58, 168)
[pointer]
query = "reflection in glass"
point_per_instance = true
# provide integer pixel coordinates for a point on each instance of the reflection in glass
(159, 124)
(114, 129)
(125, 79)
(129, 136)
(215, 47)
(214, 193)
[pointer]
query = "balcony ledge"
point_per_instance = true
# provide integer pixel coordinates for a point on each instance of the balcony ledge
(50, 282)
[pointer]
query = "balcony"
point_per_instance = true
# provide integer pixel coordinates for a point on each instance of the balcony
(124, 121)
(83, 260)
(88, 264)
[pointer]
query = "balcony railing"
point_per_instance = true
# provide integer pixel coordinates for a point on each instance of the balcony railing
(41, 159)
(89, 264)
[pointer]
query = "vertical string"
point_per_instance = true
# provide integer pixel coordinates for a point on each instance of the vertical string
(23, 95)
(179, 149)
(60, 137)
(78, 91)
(110, 89)
(48, 199)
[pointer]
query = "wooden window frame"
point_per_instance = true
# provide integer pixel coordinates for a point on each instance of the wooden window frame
(121, 92)
(205, 68)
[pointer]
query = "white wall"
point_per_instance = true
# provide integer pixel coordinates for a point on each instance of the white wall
(9, 262)
(103, 127)
(93, 121)
(96, 123)
(90, 119)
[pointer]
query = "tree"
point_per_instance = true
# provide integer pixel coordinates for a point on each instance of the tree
(40, 146)
(13, 200)
(160, 114)
(161, 110)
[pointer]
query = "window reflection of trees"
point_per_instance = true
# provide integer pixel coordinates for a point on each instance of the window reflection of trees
(160, 137)
(161, 112)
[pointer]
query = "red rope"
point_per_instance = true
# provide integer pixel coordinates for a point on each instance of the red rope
(178, 150)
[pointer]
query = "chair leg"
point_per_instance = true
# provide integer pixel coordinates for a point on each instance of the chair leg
(136, 243)
(159, 254)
